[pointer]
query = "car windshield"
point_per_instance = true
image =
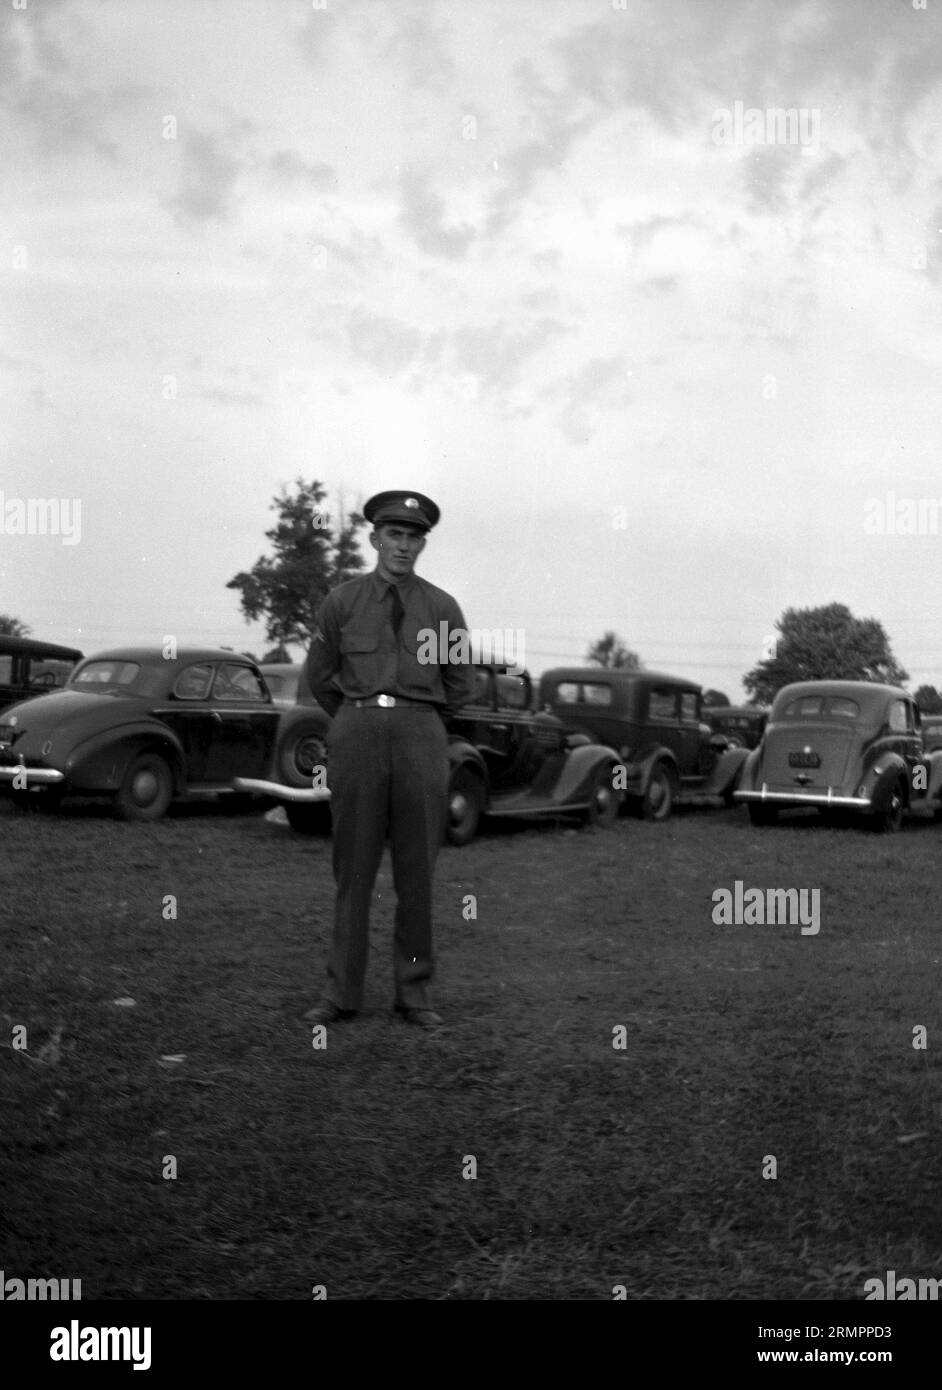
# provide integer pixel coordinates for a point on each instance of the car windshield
(98, 677)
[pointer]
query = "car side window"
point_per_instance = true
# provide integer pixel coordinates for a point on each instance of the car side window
(898, 720)
(236, 682)
(569, 693)
(689, 703)
(193, 683)
(662, 704)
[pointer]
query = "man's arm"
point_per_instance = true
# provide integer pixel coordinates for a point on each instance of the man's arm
(323, 658)
(457, 677)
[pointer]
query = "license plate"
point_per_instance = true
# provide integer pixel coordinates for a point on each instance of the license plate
(803, 760)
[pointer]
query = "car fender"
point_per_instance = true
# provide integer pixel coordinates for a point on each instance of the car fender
(726, 771)
(100, 762)
(580, 769)
(639, 774)
(932, 791)
(749, 771)
(882, 777)
(464, 754)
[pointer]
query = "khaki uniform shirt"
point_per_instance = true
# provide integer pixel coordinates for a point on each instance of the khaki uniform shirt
(355, 652)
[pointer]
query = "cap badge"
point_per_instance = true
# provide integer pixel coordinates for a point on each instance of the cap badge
(410, 502)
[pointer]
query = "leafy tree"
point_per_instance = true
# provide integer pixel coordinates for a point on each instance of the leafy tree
(12, 627)
(714, 698)
(826, 643)
(610, 651)
(311, 556)
(929, 700)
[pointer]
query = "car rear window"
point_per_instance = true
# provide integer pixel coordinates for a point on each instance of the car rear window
(821, 706)
(932, 730)
(95, 674)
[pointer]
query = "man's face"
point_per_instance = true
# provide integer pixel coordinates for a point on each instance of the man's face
(398, 545)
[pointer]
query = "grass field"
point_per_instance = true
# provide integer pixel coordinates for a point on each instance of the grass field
(596, 1165)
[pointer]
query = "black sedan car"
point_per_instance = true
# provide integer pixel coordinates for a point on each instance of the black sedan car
(504, 759)
(142, 729)
(29, 667)
(847, 748)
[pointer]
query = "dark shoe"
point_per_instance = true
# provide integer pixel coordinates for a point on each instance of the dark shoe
(422, 1018)
(328, 1012)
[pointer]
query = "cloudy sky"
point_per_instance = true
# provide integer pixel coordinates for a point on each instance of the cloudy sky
(653, 355)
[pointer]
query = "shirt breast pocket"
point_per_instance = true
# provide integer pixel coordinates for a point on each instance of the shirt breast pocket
(359, 650)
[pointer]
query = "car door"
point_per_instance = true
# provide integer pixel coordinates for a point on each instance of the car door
(664, 719)
(188, 713)
(244, 724)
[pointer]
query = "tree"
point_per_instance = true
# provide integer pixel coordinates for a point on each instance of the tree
(929, 700)
(610, 651)
(826, 643)
(12, 627)
(311, 556)
(712, 699)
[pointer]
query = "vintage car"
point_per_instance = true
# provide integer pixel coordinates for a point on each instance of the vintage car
(29, 667)
(741, 725)
(931, 732)
(669, 755)
(849, 748)
(288, 683)
(504, 761)
(142, 728)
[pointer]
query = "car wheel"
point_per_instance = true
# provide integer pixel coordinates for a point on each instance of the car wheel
(604, 804)
(302, 750)
(659, 796)
(890, 819)
(465, 806)
(308, 817)
(762, 815)
(146, 790)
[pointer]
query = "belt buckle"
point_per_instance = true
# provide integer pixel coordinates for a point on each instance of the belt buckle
(386, 701)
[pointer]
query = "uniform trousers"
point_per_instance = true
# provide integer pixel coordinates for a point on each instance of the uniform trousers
(388, 773)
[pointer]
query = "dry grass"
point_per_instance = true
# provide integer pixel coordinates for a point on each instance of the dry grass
(595, 1166)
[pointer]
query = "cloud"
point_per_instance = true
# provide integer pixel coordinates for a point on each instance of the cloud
(289, 165)
(420, 49)
(423, 217)
(207, 180)
(221, 395)
(389, 345)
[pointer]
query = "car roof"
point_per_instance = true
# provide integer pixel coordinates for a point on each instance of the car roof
(870, 694)
(31, 647)
(597, 673)
(153, 655)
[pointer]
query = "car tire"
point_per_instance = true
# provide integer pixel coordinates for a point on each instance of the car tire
(146, 789)
(465, 807)
(658, 796)
(308, 817)
(605, 802)
(762, 815)
(890, 819)
(301, 750)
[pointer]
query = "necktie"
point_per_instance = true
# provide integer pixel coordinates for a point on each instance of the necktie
(398, 612)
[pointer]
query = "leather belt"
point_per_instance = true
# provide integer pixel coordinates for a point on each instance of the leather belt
(387, 702)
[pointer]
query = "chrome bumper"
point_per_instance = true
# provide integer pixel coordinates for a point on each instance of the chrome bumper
(35, 776)
(828, 798)
(279, 790)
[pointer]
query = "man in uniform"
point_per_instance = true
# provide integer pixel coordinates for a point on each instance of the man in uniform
(387, 750)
